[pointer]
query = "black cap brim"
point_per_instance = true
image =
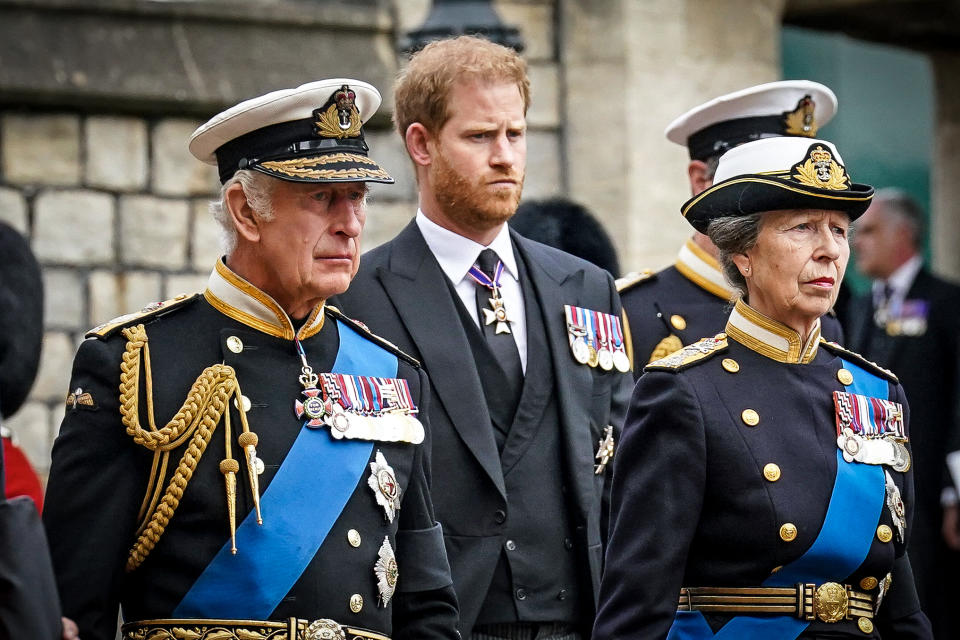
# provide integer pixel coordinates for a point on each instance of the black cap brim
(749, 194)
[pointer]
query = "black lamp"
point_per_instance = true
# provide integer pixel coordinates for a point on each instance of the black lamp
(458, 17)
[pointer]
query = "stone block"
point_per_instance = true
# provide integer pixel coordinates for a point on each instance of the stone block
(544, 108)
(116, 152)
(384, 221)
(387, 148)
(73, 227)
(33, 430)
(175, 171)
(185, 283)
(40, 149)
(544, 175)
(205, 243)
(535, 22)
(56, 361)
(13, 210)
(114, 294)
(64, 300)
(153, 232)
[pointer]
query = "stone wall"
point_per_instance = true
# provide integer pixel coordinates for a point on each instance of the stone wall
(116, 208)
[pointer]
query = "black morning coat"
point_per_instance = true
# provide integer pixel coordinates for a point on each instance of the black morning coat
(402, 293)
(99, 475)
(692, 506)
(926, 359)
(689, 300)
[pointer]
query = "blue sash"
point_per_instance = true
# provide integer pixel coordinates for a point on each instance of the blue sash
(841, 546)
(272, 557)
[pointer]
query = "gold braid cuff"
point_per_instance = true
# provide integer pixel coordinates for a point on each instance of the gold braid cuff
(196, 421)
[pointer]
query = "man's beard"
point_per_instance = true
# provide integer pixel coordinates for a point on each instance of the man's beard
(468, 202)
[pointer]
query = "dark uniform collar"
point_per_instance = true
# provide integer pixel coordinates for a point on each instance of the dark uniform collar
(702, 269)
(770, 338)
(233, 296)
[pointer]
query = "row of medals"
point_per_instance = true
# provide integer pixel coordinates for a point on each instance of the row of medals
(880, 450)
(585, 353)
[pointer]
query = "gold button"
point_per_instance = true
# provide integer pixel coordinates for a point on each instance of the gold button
(678, 322)
(865, 625)
(788, 532)
(845, 377)
(750, 417)
(868, 583)
(356, 603)
(242, 402)
(353, 537)
(771, 472)
(884, 533)
(730, 365)
(235, 344)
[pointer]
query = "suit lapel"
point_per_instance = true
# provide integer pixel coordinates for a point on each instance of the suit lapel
(415, 284)
(556, 286)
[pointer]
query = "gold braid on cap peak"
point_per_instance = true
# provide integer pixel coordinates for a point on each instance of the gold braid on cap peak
(197, 419)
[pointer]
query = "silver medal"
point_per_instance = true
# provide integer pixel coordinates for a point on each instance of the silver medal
(581, 352)
(621, 361)
(605, 359)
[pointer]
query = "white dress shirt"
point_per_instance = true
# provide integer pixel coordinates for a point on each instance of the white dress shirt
(457, 254)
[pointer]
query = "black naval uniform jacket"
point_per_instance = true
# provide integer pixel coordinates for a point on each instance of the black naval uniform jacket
(688, 300)
(99, 476)
(402, 293)
(696, 502)
(926, 359)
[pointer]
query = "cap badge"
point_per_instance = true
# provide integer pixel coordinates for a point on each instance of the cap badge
(801, 121)
(340, 118)
(820, 170)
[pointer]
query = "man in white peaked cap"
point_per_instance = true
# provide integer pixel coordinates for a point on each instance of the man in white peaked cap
(247, 463)
(690, 299)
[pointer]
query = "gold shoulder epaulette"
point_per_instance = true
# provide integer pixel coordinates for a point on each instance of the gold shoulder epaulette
(858, 359)
(333, 312)
(691, 354)
(634, 278)
(152, 310)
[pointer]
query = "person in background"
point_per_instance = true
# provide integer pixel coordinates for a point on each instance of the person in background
(522, 345)
(29, 607)
(909, 322)
(21, 335)
(568, 226)
(690, 299)
(763, 487)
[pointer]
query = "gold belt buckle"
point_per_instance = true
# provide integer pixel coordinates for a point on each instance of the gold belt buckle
(831, 602)
(324, 629)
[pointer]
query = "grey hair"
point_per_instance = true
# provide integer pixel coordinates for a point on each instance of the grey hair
(734, 235)
(907, 209)
(258, 188)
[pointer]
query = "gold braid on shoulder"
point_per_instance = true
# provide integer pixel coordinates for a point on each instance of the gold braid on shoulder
(206, 403)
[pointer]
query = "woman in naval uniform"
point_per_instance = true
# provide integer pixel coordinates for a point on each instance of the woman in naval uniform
(762, 488)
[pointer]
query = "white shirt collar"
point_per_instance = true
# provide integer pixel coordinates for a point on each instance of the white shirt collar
(456, 254)
(900, 280)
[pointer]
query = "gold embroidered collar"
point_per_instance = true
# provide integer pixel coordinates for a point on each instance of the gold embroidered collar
(233, 296)
(770, 338)
(702, 269)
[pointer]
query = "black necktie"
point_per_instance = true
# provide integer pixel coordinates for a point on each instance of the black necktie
(502, 344)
